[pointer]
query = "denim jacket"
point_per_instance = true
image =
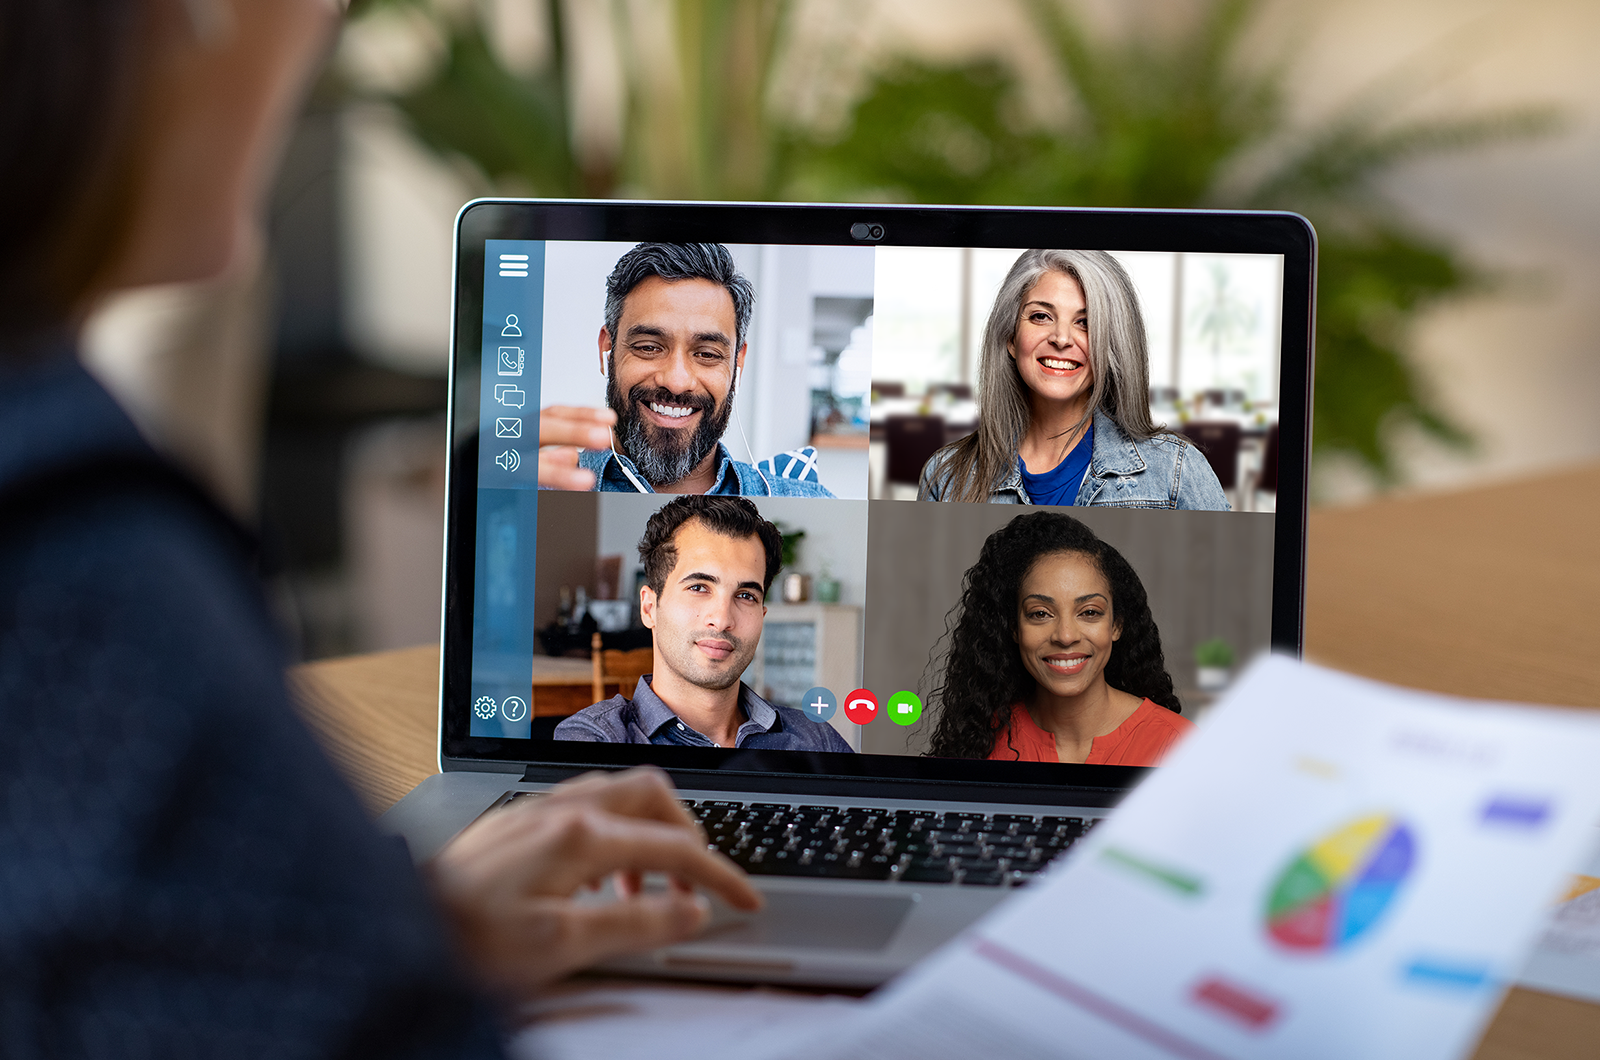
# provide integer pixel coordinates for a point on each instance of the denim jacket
(791, 474)
(1164, 471)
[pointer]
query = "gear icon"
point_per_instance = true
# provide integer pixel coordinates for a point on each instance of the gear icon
(485, 707)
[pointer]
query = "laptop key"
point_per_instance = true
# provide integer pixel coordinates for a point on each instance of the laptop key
(940, 872)
(992, 878)
(968, 850)
(954, 815)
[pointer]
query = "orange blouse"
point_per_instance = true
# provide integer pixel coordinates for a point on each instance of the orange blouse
(1142, 740)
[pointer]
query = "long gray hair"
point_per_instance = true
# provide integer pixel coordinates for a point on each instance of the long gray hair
(1119, 364)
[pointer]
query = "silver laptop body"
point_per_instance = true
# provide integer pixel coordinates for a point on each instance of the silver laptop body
(866, 319)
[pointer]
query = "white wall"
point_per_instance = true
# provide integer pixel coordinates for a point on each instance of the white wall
(398, 207)
(574, 311)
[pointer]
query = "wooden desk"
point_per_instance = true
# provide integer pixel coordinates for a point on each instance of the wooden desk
(1492, 593)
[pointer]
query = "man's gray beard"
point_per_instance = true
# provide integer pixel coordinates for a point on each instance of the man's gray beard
(664, 468)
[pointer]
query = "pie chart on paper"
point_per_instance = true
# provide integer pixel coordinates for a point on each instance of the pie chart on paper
(1338, 888)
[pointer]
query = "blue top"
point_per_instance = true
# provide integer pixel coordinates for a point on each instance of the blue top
(182, 873)
(1060, 484)
(791, 474)
(646, 719)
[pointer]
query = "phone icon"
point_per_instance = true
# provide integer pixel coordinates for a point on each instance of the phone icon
(511, 358)
(861, 706)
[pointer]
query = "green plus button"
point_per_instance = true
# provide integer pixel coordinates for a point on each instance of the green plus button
(905, 708)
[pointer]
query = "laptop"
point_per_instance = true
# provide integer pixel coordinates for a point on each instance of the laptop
(841, 362)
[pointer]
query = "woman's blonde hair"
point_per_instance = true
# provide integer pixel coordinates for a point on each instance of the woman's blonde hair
(1119, 363)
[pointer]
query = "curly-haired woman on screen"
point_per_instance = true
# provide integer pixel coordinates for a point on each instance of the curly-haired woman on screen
(1054, 655)
(1064, 400)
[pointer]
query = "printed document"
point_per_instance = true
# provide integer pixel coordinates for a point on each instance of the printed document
(1328, 867)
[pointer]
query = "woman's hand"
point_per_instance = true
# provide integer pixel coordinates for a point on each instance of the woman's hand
(506, 884)
(563, 430)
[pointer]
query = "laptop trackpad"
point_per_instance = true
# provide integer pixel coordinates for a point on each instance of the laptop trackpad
(798, 920)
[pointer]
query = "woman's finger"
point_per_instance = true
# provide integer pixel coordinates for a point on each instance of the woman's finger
(592, 933)
(594, 844)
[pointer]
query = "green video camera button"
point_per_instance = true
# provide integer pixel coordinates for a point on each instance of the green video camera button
(905, 708)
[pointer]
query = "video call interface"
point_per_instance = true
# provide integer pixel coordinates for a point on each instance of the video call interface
(813, 401)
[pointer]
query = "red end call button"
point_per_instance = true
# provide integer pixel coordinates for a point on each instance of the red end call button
(861, 706)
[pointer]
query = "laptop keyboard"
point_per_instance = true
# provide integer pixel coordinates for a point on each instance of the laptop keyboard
(861, 843)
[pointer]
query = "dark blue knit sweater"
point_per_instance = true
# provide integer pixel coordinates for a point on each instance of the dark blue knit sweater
(181, 871)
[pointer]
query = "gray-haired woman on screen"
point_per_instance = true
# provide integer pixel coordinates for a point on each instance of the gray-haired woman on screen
(1064, 400)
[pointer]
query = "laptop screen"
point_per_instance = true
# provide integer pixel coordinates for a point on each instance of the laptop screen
(872, 505)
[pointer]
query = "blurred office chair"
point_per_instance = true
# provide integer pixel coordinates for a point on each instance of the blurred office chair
(1222, 398)
(620, 668)
(1267, 478)
(885, 389)
(1219, 441)
(911, 441)
(958, 391)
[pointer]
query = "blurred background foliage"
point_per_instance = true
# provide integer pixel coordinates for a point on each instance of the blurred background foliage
(1154, 119)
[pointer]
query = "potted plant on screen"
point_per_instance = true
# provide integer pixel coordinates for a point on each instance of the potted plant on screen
(1214, 660)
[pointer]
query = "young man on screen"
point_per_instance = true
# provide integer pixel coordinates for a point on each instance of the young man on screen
(708, 563)
(672, 349)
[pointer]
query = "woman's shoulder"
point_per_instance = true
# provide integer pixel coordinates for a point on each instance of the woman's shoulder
(945, 474)
(1143, 739)
(1164, 470)
(1154, 715)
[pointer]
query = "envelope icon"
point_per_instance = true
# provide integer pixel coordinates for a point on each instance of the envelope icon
(508, 427)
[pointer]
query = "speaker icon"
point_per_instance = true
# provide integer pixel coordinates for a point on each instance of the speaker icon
(509, 460)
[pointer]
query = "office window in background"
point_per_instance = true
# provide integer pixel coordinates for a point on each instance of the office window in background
(1229, 339)
(916, 332)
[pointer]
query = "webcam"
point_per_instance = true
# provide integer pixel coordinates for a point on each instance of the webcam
(862, 230)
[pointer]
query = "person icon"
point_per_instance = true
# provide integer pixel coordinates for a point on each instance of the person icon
(511, 330)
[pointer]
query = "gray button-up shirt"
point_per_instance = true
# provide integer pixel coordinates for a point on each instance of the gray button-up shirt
(646, 719)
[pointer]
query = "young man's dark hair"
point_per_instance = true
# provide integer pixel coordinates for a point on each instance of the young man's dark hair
(679, 261)
(732, 517)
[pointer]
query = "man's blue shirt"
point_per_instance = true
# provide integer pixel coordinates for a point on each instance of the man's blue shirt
(791, 474)
(646, 719)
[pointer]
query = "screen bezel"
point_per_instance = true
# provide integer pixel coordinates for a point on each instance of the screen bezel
(1181, 231)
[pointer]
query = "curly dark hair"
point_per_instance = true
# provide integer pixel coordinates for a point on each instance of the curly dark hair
(983, 674)
(732, 517)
